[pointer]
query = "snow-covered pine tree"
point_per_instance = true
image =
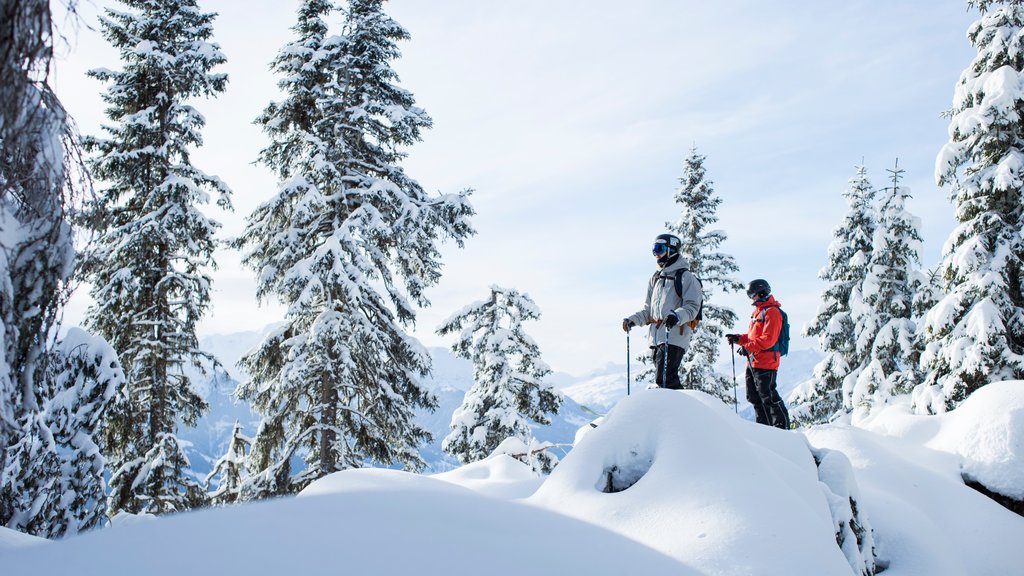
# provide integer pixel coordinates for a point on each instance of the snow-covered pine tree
(230, 468)
(349, 244)
(38, 182)
(885, 331)
(149, 266)
(508, 389)
(701, 245)
(975, 333)
(51, 394)
(53, 483)
(849, 256)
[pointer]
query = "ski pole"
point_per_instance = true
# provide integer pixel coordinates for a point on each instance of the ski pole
(628, 378)
(735, 385)
(664, 358)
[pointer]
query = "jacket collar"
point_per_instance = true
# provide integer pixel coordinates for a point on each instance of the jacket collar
(771, 301)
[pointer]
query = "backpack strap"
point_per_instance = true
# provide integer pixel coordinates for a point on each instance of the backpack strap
(774, 347)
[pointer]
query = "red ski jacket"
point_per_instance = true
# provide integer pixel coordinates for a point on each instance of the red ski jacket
(765, 326)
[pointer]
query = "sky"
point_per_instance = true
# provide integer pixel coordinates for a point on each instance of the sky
(746, 499)
(571, 122)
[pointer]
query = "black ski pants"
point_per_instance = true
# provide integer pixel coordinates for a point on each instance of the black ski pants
(675, 357)
(763, 396)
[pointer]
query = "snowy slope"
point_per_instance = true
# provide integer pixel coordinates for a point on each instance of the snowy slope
(700, 491)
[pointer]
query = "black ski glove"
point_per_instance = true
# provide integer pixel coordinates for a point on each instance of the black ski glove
(742, 351)
(627, 324)
(671, 320)
(733, 338)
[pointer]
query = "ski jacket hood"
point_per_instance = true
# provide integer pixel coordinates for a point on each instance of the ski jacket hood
(662, 300)
(763, 333)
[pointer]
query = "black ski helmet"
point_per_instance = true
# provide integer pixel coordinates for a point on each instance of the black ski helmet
(666, 246)
(758, 289)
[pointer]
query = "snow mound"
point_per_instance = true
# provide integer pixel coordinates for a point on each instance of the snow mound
(985, 433)
(12, 539)
(359, 480)
(720, 494)
(500, 476)
(370, 522)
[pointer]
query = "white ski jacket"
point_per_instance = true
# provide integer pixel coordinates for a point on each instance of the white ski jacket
(662, 299)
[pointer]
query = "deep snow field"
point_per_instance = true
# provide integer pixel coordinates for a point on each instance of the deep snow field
(667, 483)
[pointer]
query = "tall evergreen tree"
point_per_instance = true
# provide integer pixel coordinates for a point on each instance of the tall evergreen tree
(508, 390)
(885, 331)
(149, 266)
(849, 256)
(696, 196)
(37, 185)
(52, 393)
(349, 244)
(975, 333)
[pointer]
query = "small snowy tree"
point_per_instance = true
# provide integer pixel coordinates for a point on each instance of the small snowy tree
(700, 246)
(53, 483)
(975, 332)
(349, 244)
(230, 468)
(149, 266)
(508, 390)
(885, 330)
(849, 256)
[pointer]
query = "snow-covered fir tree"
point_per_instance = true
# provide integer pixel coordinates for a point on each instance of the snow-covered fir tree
(700, 246)
(230, 469)
(53, 483)
(884, 327)
(975, 332)
(508, 391)
(149, 266)
(349, 243)
(849, 256)
(37, 182)
(52, 394)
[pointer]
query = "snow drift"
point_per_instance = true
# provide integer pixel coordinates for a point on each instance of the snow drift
(668, 483)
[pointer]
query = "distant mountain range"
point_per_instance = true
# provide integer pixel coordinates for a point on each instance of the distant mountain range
(585, 397)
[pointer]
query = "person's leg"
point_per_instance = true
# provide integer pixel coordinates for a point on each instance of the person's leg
(675, 358)
(755, 398)
(774, 407)
(659, 365)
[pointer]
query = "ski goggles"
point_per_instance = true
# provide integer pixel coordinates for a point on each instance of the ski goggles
(660, 248)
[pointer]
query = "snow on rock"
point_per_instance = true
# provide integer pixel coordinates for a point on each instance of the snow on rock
(925, 520)
(853, 531)
(362, 522)
(720, 494)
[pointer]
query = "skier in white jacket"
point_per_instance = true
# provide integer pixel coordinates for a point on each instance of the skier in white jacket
(673, 303)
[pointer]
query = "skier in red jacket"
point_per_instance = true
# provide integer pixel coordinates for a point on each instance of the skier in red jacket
(759, 345)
